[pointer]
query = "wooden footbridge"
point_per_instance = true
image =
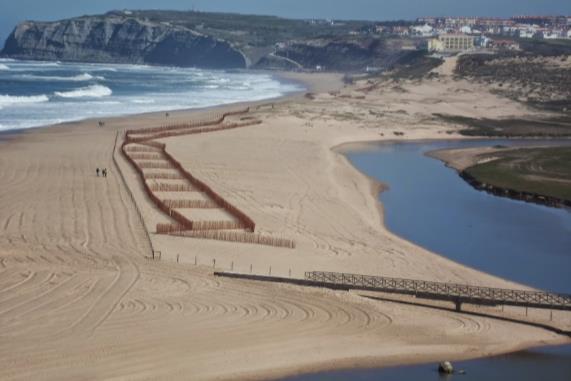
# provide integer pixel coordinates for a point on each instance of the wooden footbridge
(452, 292)
(456, 293)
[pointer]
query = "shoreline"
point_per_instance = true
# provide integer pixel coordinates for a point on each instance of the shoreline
(309, 82)
(367, 188)
(396, 362)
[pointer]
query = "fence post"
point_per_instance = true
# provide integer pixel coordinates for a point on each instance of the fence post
(195, 262)
(214, 263)
(270, 272)
(250, 268)
(232, 266)
(177, 258)
(290, 273)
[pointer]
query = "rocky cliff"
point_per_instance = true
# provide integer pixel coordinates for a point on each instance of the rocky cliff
(120, 39)
(204, 40)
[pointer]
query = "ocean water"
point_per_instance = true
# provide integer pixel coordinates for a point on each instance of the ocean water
(35, 93)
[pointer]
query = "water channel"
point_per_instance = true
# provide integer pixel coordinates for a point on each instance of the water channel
(430, 205)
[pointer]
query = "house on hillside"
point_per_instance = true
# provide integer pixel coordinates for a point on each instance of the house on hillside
(451, 43)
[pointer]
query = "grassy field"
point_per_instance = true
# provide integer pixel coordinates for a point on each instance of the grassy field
(544, 171)
(559, 126)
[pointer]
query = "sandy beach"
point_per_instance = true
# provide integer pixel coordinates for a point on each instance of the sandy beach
(80, 300)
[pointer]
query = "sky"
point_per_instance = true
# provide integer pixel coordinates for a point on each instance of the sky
(14, 11)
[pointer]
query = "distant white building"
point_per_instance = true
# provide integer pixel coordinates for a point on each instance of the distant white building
(466, 29)
(553, 35)
(423, 30)
(527, 33)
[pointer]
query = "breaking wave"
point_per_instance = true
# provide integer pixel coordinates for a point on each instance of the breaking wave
(4, 67)
(78, 78)
(11, 100)
(94, 91)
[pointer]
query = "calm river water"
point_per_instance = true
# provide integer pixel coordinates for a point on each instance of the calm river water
(429, 204)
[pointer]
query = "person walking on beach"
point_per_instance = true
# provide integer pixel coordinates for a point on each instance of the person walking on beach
(97, 171)
(104, 172)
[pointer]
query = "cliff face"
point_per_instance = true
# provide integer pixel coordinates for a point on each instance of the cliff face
(204, 40)
(120, 40)
(342, 55)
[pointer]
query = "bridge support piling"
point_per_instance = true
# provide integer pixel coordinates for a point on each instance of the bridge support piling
(458, 305)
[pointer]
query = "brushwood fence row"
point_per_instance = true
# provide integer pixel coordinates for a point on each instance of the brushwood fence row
(145, 156)
(200, 130)
(200, 225)
(191, 204)
(162, 187)
(246, 221)
(141, 149)
(155, 165)
(145, 144)
(162, 176)
(179, 218)
(217, 119)
(241, 237)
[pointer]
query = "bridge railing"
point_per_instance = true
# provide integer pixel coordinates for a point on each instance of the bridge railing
(458, 293)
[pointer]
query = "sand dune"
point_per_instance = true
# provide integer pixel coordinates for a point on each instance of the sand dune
(80, 300)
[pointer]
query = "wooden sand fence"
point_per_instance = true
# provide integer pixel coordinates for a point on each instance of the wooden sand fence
(218, 230)
(155, 165)
(200, 225)
(191, 204)
(198, 130)
(141, 149)
(234, 236)
(162, 176)
(217, 119)
(244, 221)
(174, 127)
(162, 187)
(145, 156)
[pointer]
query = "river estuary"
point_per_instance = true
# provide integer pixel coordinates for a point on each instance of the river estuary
(430, 205)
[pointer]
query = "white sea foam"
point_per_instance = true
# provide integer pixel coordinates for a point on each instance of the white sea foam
(77, 78)
(162, 89)
(93, 91)
(12, 100)
(111, 69)
(42, 63)
(4, 67)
